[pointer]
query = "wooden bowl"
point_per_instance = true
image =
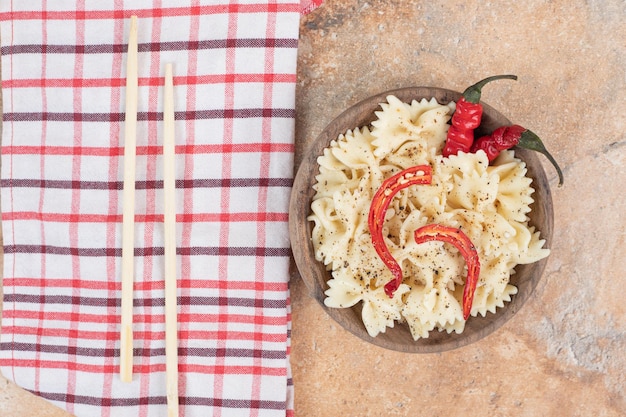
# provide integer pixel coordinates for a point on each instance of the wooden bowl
(316, 276)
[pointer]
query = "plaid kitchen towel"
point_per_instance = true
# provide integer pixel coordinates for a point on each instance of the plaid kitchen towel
(63, 86)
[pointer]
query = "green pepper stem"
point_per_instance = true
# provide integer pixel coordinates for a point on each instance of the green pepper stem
(473, 92)
(529, 140)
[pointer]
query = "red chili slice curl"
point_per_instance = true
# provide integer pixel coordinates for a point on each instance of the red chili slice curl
(420, 174)
(467, 249)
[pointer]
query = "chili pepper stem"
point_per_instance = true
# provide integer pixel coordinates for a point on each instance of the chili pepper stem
(472, 93)
(529, 140)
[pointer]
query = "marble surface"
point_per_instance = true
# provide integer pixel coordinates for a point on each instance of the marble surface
(564, 353)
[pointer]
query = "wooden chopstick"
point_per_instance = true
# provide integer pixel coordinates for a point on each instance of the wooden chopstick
(169, 220)
(128, 216)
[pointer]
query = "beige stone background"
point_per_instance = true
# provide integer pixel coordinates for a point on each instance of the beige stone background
(564, 353)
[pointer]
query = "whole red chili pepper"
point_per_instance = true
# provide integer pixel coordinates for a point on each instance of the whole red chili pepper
(467, 117)
(506, 137)
(463, 243)
(420, 174)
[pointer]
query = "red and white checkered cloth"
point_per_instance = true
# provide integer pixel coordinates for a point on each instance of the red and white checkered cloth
(63, 81)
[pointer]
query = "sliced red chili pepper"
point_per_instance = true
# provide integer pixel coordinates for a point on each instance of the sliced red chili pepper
(463, 243)
(467, 117)
(420, 174)
(506, 137)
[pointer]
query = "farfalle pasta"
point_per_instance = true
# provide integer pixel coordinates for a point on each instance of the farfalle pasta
(490, 203)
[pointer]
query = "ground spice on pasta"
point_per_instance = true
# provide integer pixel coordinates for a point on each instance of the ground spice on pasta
(490, 203)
